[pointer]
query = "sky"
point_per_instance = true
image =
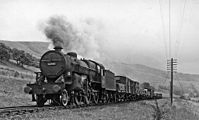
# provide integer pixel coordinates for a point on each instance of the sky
(133, 31)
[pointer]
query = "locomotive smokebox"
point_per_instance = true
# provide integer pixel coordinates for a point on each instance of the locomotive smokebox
(58, 48)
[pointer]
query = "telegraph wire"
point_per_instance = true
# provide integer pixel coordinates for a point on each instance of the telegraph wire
(168, 49)
(163, 30)
(178, 39)
(169, 28)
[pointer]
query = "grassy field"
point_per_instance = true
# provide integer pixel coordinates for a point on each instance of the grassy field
(13, 79)
(141, 110)
(12, 93)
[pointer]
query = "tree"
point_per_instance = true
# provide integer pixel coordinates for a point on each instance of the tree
(145, 85)
(20, 56)
(16, 55)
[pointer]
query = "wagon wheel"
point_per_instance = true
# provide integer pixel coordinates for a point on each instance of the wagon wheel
(118, 97)
(40, 100)
(105, 98)
(64, 98)
(114, 97)
(110, 98)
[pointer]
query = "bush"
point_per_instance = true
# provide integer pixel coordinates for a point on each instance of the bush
(4, 52)
(16, 74)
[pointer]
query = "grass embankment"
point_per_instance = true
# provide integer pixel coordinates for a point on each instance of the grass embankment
(180, 110)
(141, 110)
(13, 79)
(10, 69)
(12, 93)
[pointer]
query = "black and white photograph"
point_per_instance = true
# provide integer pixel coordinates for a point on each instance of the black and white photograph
(99, 60)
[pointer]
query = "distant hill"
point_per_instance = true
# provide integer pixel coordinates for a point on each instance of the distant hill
(34, 48)
(137, 71)
(182, 82)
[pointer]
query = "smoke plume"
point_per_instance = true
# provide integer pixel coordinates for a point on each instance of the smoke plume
(83, 38)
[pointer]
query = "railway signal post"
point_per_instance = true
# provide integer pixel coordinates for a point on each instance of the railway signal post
(171, 67)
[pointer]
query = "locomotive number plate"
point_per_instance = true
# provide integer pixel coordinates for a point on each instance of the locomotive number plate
(51, 64)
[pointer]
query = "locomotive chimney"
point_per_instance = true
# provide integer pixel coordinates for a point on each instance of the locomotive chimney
(58, 48)
(72, 54)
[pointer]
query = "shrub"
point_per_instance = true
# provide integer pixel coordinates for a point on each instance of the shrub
(16, 74)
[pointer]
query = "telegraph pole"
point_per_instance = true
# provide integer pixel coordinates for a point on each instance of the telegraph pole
(171, 89)
(172, 67)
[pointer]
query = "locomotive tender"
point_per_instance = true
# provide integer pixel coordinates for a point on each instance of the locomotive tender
(64, 79)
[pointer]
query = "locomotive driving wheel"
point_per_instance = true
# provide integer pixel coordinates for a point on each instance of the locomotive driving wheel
(81, 98)
(64, 98)
(95, 97)
(78, 98)
(89, 96)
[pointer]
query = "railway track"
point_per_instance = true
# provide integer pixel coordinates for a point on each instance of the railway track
(21, 110)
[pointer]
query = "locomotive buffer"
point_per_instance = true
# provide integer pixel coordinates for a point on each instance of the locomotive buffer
(172, 68)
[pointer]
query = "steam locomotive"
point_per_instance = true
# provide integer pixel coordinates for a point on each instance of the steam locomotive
(64, 79)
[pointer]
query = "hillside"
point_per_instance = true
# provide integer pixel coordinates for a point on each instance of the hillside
(182, 82)
(34, 48)
(146, 73)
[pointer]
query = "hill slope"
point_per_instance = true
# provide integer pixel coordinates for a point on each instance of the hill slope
(141, 73)
(34, 48)
(183, 83)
